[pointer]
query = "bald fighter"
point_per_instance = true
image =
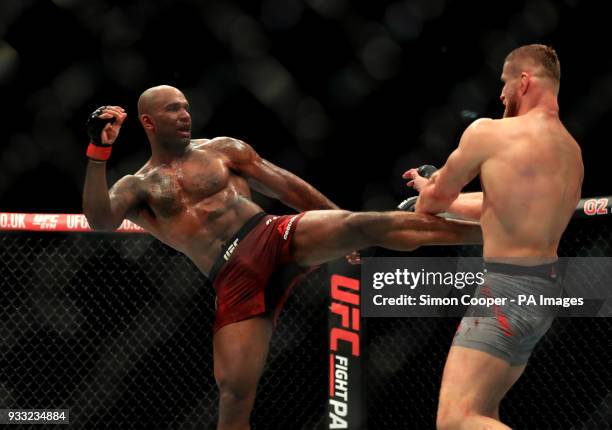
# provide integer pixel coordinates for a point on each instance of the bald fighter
(195, 196)
(531, 173)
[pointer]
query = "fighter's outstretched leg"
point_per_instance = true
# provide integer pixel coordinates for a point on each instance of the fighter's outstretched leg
(322, 236)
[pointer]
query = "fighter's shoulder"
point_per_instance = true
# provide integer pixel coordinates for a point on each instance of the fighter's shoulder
(484, 125)
(230, 147)
(142, 174)
(480, 131)
(132, 184)
(573, 146)
(139, 180)
(221, 143)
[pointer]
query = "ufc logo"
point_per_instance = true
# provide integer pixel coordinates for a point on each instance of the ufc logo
(230, 250)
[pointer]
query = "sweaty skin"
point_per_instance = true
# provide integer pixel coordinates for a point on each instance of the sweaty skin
(531, 174)
(531, 182)
(191, 194)
(197, 202)
(194, 195)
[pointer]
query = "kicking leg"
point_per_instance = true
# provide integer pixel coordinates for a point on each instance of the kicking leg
(322, 236)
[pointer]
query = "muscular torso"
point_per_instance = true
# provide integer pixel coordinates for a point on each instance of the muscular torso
(195, 203)
(531, 186)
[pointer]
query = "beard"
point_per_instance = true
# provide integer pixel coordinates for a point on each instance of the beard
(511, 107)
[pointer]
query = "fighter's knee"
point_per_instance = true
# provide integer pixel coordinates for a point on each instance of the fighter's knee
(229, 388)
(230, 395)
(234, 409)
(445, 421)
(231, 391)
(451, 415)
(445, 424)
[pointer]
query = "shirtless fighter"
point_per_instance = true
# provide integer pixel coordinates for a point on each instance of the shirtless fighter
(531, 173)
(194, 195)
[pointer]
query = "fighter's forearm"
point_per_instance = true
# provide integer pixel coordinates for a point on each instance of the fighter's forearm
(302, 196)
(467, 206)
(96, 199)
(432, 202)
(280, 184)
(450, 232)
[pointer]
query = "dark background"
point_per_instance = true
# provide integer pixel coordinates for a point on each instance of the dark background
(347, 95)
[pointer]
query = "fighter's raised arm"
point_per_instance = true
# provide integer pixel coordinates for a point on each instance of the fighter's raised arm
(271, 180)
(104, 209)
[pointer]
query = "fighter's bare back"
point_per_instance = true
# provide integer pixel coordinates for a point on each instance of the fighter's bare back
(531, 182)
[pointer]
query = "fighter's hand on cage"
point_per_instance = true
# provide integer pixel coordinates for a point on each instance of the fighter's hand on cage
(354, 257)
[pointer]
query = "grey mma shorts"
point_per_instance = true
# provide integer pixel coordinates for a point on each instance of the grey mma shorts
(510, 331)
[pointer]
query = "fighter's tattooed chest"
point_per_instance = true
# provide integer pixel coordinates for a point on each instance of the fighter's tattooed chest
(164, 195)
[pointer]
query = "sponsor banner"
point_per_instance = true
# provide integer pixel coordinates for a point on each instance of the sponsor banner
(55, 222)
(451, 286)
(345, 405)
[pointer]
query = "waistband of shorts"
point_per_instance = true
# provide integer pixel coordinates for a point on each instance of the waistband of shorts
(232, 243)
(549, 271)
